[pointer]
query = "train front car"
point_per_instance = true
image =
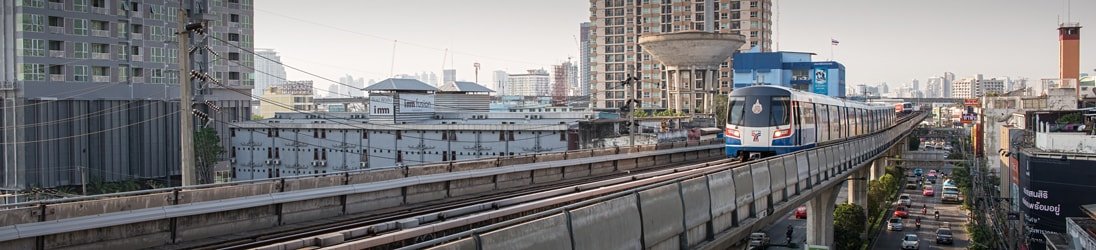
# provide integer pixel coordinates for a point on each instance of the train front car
(760, 122)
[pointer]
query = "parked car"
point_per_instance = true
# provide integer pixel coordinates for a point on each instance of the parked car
(895, 224)
(904, 199)
(928, 191)
(911, 242)
(901, 212)
(801, 212)
(943, 236)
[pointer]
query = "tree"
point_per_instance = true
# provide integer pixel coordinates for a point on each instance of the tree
(877, 196)
(207, 149)
(640, 113)
(256, 117)
(848, 225)
(890, 185)
(720, 103)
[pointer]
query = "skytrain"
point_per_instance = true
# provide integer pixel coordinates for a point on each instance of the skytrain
(771, 120)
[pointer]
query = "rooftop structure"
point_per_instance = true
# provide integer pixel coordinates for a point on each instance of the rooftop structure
(691, 62)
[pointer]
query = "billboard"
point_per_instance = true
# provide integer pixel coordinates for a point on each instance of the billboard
(407, 103)
(821, 81)
(1052, 189)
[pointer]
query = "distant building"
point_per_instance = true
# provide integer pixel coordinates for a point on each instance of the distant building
(934, 87)
(448, 76)
(585, 49)
(564, 80)
(978, 86)
(500, 81)
(274, 71)
(534, 83)
(965, 88)
(403, 127)
(290, 96)
(789, 69)
(949, 79)
(357, 83)
(993, 86)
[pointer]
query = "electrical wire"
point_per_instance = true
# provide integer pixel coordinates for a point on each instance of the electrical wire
(91, 133)
(80, 117)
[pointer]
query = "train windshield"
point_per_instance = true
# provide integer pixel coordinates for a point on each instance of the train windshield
(759, 111)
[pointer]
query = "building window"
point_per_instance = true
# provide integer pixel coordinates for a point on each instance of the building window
(80, 5)
(80, 50)
(80, 73)
(502, 135)
(158, 76)
(32, 72)
(34, 47)
(511, 136)
(32, 22)
(562, 135)
(80, 27)
(399, 135)
(399, 156)
(232, 75)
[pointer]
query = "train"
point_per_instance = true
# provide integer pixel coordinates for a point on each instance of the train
(905, 107)
(770, 120)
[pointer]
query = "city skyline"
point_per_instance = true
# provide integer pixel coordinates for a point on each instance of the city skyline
(547, 36)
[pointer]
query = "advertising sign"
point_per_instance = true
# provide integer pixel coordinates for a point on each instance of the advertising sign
(971, 102)
(1052, 189)
(380, 105)
(407, 103)
(968, 118)
(821, 81)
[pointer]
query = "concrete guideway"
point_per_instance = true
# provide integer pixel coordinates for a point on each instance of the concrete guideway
(738, 200)
(140, 221)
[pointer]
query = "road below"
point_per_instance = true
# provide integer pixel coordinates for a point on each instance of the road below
(949, 213)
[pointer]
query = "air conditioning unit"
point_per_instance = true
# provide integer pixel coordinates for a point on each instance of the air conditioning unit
(314, 163)
(363, 164)
(323, 163)
(277, 162)
(268, 162)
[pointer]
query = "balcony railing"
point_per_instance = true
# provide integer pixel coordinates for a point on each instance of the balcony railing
(57, 29)
(136, 58)
(137, 36)
(57, 77)
(57, 53)
(7, 85)
(100, 33)
(97, 10)
(137, 79)
(100, 78)
(104, 56)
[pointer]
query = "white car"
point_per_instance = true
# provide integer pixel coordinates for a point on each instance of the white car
(894, 224)
(910, 242)
(904, 199)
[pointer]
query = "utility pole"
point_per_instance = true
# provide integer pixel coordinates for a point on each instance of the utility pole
(186, 119)
(630, 108)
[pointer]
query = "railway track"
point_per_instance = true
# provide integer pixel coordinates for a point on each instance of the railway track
(440, 210)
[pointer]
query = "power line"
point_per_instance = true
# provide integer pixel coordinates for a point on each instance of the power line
(80, 117)
(92, 133)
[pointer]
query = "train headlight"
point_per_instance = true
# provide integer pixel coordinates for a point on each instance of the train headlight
(733, 133)
(781, 133)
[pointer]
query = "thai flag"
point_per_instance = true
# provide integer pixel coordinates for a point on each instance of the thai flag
(833, 41)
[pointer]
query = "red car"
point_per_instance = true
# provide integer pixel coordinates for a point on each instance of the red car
(901, 212)
(801, 212)
(928, 191)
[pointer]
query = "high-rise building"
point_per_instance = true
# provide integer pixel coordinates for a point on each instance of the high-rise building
(1069, 53)
(499, 82)
(534, 83)
(104, 76)
(915, 85)
(273, 69)
(585, 48)
(617, 25)
(290, 96)
(993, 86)
(449, 76)
(348, 80)
(564, 79)
(949, 78)
(964, 88)
(333, 91)
(934, 87)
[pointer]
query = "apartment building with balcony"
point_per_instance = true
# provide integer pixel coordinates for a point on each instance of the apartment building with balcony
(93, 84)
(616, 26)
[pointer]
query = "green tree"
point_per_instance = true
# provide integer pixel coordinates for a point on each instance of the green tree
(207, 149)
(877, 196)
(848, 225)
(256, 117)
(890, 185)
(720, 103)
(640, 113)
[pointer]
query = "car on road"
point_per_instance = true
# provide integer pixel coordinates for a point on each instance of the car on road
(949, 183)
(943, 236)
(928, 191)
(905, 200)
(801, 212)
(911, 184)
(895, 224)
(931, 178)
(918, 171)
(949, 194)
(911, 242)
(901, 211)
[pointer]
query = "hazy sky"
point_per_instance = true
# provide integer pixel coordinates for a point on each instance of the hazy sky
(880, 41)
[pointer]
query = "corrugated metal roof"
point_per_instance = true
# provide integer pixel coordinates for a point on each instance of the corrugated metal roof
(464, 87)
(400, 84)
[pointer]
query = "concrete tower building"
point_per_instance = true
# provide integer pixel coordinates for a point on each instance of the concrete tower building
(105, 76)
(618, 24)
(499, 82)
(691, 61)
(585, 49)
(1069, 54)
(448, 76)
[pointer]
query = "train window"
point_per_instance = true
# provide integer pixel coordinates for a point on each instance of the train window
(737, 107)
(779, 109)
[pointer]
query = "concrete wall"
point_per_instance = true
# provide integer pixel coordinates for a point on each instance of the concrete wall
(187, 228)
